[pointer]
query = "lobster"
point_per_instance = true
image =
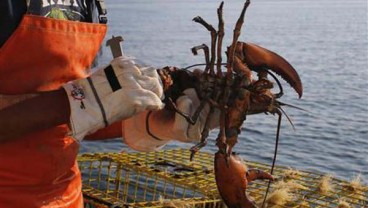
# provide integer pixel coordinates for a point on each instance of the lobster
(236, 94)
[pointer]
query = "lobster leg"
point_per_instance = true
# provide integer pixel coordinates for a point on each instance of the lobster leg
(210, 28)
(235, 118)
(204, 135)
(221, 139)
(204, 47)
(215, 94)
(241, 67)
(230, 62)
(221, 33)
(243, 71)
(187, 117)
(236, 35)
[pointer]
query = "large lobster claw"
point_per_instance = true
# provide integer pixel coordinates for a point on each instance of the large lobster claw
(257, 57)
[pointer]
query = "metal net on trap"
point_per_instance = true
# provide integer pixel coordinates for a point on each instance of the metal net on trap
(168, 179)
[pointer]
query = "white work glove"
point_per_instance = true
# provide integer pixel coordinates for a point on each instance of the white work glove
(135, 133)
(110, 94)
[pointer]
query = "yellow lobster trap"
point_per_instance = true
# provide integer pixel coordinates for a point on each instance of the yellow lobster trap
(168, 179)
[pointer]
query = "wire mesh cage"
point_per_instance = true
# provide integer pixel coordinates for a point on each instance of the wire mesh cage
(169, 179)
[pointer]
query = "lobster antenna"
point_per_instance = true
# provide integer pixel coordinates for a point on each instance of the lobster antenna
(281, 93)
(292, 106)
(288, 118)
(274, 154)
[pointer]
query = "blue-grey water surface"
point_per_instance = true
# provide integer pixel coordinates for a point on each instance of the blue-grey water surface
(326, 41)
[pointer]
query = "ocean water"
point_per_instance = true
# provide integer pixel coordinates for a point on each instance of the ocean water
(326, 41)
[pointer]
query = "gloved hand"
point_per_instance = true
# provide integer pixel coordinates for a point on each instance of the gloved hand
(110, 94)
(166, 125)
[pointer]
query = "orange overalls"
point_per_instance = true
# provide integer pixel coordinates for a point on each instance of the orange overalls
(40, 169)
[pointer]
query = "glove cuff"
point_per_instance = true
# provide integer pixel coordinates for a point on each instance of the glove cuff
(86, 114)
(135, 135)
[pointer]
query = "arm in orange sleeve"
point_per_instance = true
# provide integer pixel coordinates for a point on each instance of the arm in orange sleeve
(42, 111)
(20, 115)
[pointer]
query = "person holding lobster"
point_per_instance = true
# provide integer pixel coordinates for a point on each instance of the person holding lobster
(50, 101)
